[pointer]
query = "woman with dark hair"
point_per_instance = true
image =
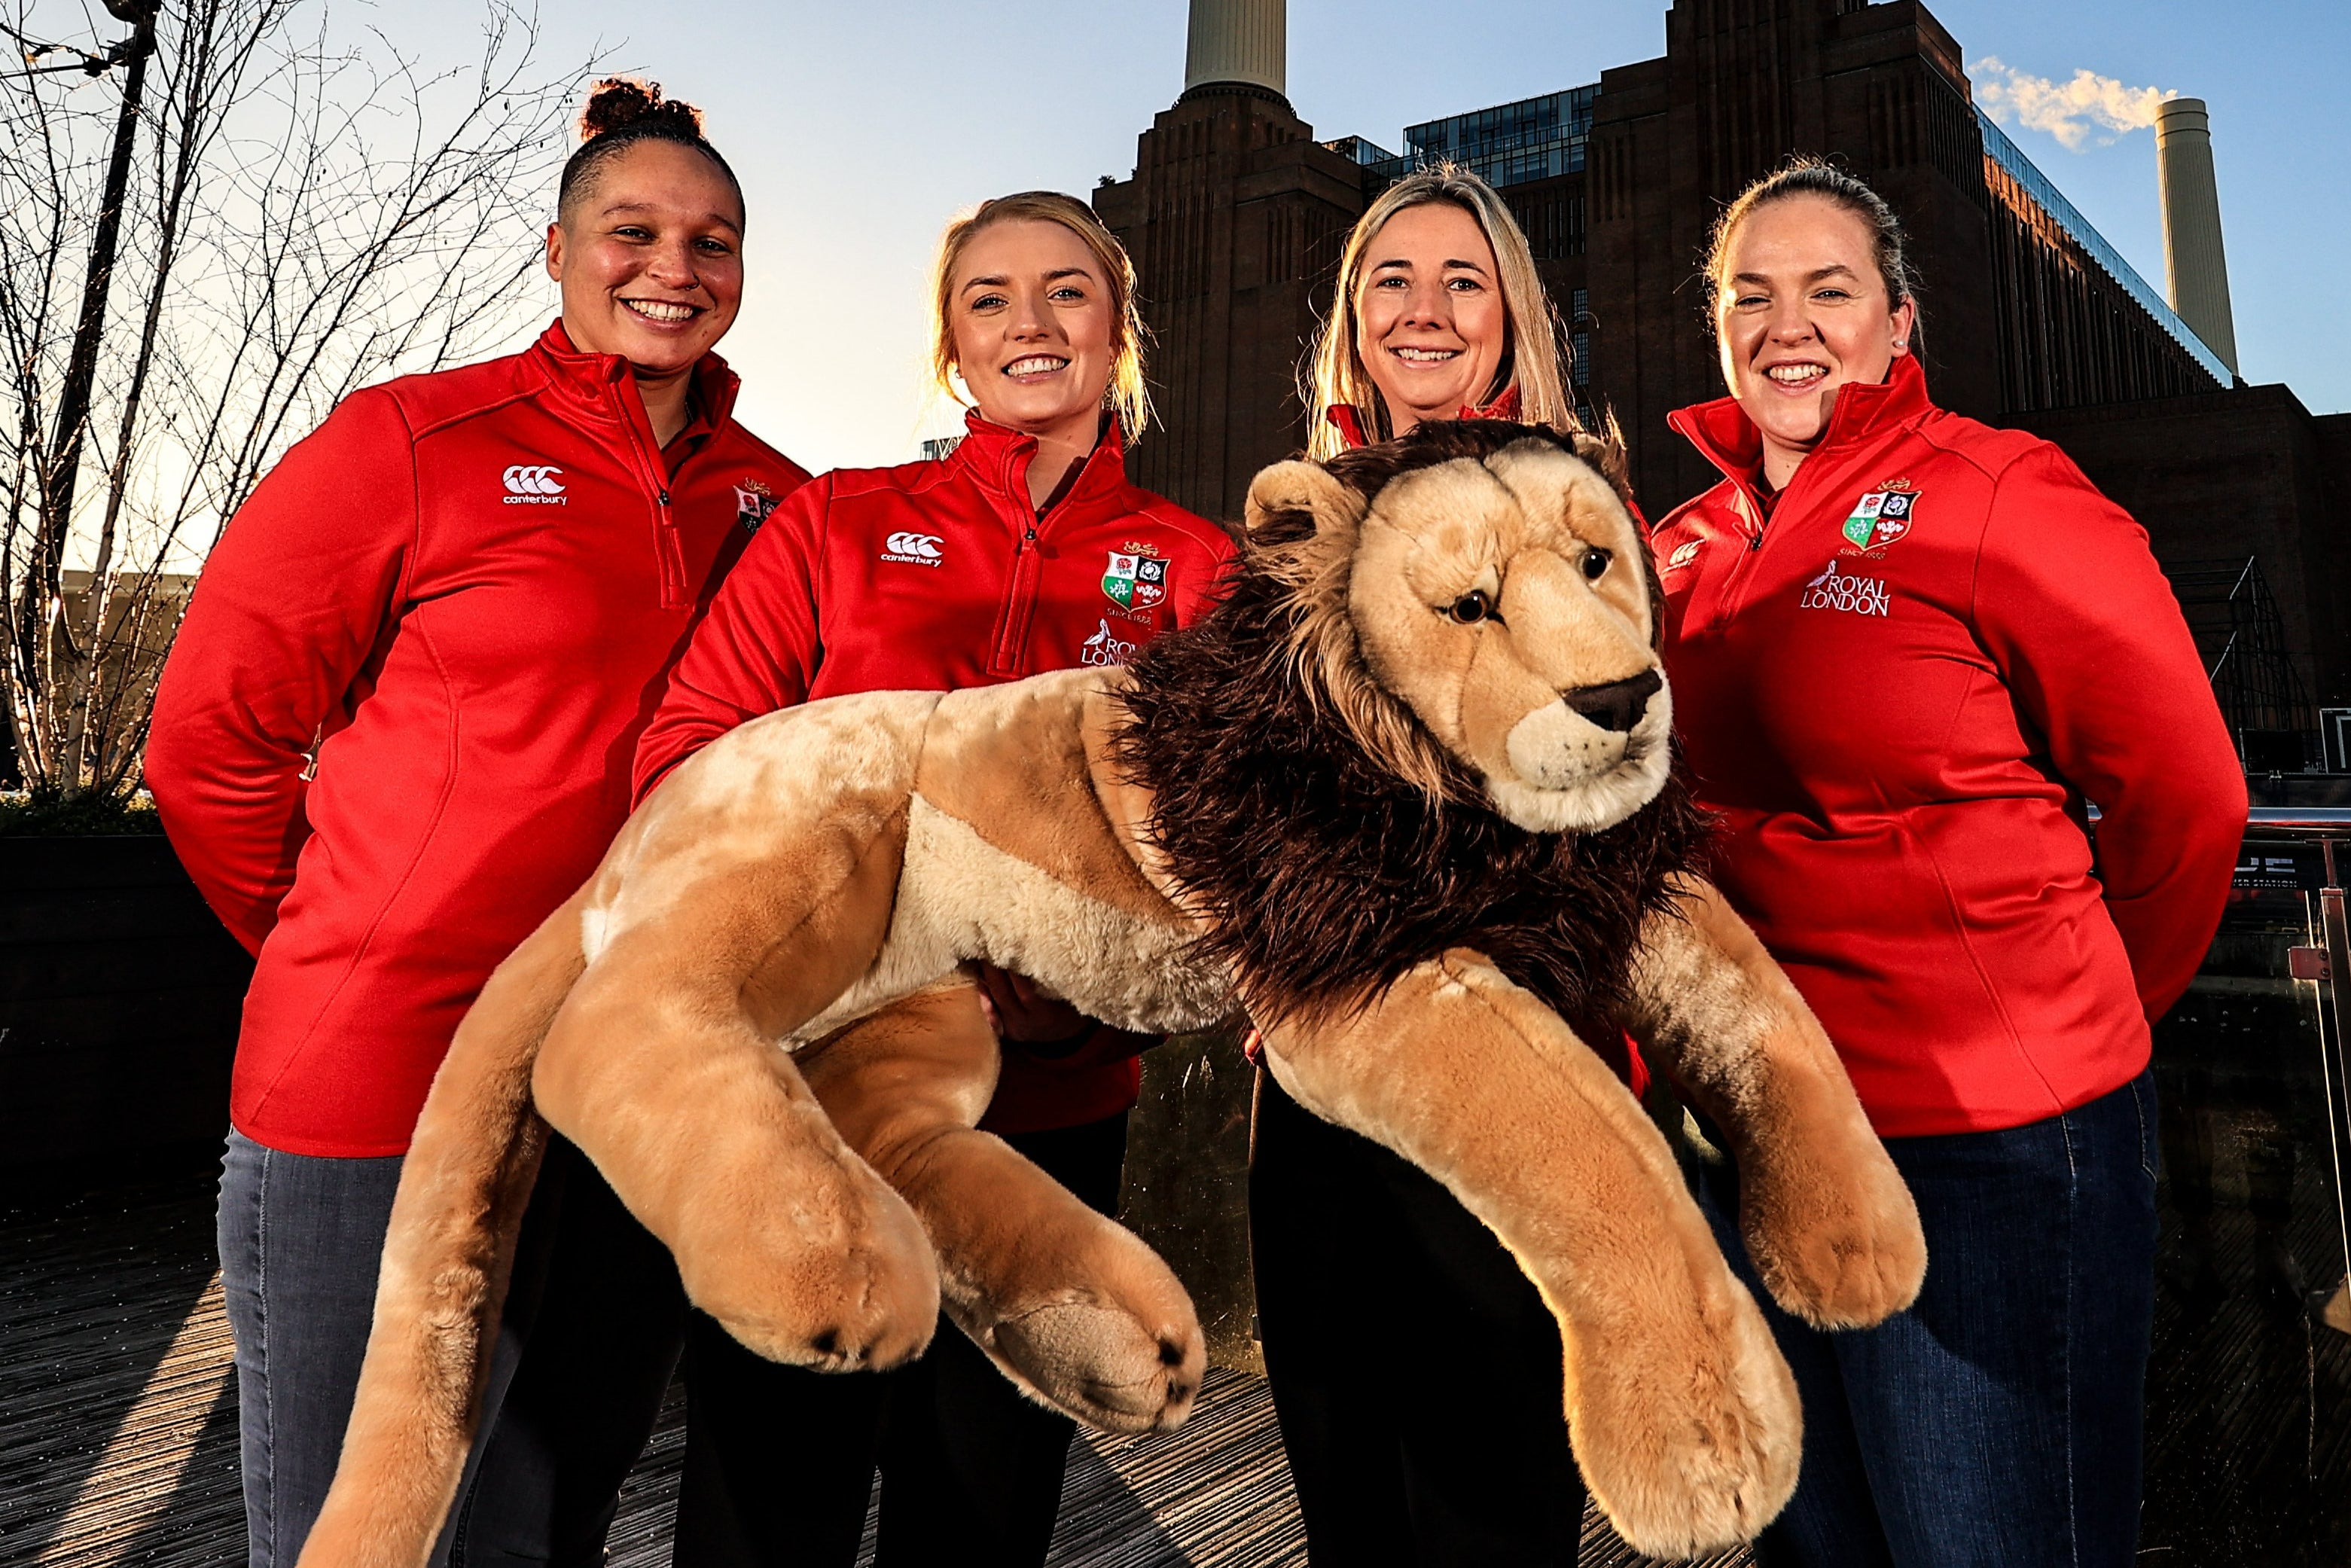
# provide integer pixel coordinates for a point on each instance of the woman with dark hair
(1907, 650)
(1462, 1458)
(395, 729)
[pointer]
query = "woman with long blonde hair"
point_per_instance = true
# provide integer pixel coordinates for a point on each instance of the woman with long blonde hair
(1414, 1369)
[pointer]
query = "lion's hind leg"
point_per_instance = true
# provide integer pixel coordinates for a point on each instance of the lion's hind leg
(1683, 1415)
(1069, 1304)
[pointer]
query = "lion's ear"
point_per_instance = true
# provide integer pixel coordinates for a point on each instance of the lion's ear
(1287, 489)
(1608, 457)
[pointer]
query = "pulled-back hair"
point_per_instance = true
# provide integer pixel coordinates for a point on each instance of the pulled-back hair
(621, 112)
(1334, 375)
(1126, 396)
(1816, 177)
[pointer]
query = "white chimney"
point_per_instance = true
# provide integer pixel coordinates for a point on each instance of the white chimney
(2191, 224)
(1237, 41)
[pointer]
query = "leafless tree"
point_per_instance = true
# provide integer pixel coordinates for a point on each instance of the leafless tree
(211, 229)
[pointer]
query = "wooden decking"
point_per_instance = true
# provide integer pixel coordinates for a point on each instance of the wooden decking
(118, 1422)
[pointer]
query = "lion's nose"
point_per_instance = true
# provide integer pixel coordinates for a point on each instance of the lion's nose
(1619, 704)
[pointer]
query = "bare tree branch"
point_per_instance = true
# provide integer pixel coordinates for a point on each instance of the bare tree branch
(303, 209)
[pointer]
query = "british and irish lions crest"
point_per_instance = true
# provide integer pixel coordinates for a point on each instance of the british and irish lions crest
(1881, 518)
(753, 502)
(1136, 578)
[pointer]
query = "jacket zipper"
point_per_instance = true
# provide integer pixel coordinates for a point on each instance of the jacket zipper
(669, 560)
(1020, 604)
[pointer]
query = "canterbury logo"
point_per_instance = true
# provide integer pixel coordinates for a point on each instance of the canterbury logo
(925, 546)
(533, 482)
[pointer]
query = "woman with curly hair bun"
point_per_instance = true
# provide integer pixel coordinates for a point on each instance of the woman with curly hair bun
(395, 729)
(1906, 648)
(1459, 1456)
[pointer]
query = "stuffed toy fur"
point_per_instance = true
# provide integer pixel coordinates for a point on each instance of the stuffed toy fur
(1407, 797)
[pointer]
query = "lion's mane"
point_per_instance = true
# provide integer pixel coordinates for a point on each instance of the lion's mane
(1330, 841)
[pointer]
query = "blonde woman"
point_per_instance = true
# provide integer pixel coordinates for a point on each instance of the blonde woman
(1445, 317)
(1414, 1369)
(1024, 551)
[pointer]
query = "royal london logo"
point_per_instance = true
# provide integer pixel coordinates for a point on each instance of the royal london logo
(1136, 578)
(1832, 589)
(1881, 518)
(753, 502)
(534, 485)
(913, 550)
(1105, 647)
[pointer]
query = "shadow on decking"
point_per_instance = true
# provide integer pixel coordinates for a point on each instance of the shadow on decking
(118, 1421)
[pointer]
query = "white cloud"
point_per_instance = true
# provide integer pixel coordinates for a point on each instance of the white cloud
(2088, 107)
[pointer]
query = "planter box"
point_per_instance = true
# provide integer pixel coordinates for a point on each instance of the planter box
(119, 1001)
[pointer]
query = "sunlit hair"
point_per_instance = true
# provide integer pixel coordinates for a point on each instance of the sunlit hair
(620, 112)
(1125, 396)
(1531, 357)
(1816, 177)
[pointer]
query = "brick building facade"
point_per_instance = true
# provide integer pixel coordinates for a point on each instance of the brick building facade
(1235, 214)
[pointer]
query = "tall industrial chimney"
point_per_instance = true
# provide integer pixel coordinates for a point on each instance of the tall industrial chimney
(2191, 223)
(1237, 41)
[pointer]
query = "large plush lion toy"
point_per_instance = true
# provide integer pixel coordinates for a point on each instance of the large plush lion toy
(1406, 797)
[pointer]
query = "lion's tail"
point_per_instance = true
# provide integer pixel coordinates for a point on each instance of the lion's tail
(446, 1265)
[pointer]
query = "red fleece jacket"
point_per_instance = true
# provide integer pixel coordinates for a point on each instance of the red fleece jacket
(1898, 692)
(936, 576)
(460, 595)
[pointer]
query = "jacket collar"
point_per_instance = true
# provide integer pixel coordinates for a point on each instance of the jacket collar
(587, 380)
(998, 457)
(1348, 420)
(1727, 438)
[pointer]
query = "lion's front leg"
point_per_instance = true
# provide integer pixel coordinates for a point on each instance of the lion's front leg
(1072, 1306)
(664, 1068)
(1683, 1417)
(1827, 1220)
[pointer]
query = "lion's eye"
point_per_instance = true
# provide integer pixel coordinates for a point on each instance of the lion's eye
(1471, 607)
(1595, 563)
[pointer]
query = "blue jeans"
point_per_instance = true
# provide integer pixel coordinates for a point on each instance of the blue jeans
(300, 1238)
(1997, 1423)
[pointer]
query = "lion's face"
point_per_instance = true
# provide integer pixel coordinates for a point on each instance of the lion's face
(1504, 603)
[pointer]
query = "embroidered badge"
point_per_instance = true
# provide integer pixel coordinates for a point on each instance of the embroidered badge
(753, 502)
(1881, 518)
(1135, 580)
(1833, 589)
(1683, 555)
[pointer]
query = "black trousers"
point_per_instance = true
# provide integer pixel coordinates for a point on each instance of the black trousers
(1414, 1369)
(780, 1461)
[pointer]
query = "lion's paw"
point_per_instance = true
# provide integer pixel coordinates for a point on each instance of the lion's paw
(1689, 1447)
(1838, 1247)
(1105, 1366)
(858, 1295)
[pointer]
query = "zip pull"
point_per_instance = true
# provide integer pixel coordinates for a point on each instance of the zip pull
(663, 497)
(1755, 540)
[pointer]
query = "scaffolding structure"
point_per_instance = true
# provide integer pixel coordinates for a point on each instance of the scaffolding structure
(2241, 637)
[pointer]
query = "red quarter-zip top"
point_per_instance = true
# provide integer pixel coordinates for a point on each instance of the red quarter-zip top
(1897, 692)
(461, 591)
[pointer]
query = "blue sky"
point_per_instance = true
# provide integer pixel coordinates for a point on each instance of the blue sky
(860, 129)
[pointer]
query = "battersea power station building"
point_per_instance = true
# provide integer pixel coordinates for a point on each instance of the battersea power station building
(1236, 213)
